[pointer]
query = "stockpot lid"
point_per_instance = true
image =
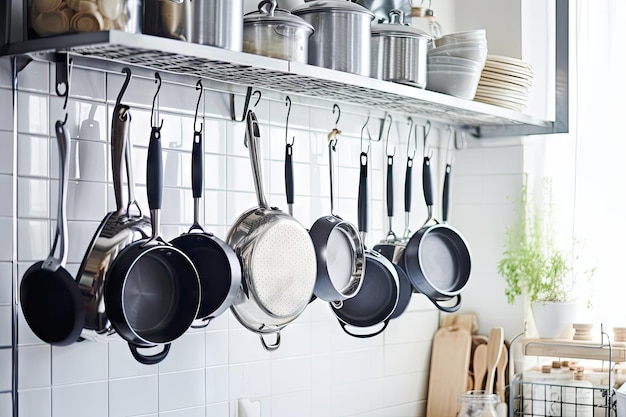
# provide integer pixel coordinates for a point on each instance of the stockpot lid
(269, 13)
(331, 6)
(397, 28)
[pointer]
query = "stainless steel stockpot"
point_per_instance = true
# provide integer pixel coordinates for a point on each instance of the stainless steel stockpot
(342, 35)
(399, 52)
(276, 33)
(217, 23)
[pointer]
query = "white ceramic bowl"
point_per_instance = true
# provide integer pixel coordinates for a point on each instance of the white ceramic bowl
(469, 35)
(455, 61)
(478, 54)
(461, 84)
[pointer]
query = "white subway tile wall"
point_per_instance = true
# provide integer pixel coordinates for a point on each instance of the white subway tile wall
(318, 371)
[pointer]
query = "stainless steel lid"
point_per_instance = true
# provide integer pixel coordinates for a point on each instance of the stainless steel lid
(269, 13)
(397, 28)
(331, 6)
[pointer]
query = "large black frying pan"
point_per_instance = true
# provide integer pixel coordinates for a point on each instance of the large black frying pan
(152, 292)
(49, 297)
(437, 258)
(377, 299)
(217, 264)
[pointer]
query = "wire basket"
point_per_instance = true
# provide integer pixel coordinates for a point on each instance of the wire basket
(551, 399)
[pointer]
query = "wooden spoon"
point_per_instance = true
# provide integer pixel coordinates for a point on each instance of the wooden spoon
(494, 348)
(480, 366)
(500, 372)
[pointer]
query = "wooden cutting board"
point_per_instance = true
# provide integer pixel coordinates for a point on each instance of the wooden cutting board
(449, 365)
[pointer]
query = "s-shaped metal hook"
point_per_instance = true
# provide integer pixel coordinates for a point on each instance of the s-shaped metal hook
(157, 80)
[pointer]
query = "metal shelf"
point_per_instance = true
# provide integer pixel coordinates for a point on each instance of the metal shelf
(237, 68)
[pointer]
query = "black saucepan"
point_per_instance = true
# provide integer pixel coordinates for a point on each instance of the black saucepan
(217, 264)
(339, 249)
(152, 291)
(49, 297)
(437, 258)
(377, 299)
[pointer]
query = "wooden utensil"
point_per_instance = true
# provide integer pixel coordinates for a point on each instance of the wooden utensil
(500, 372)
(467, 321)
(480, 366)
(449, 365)
(494, 348)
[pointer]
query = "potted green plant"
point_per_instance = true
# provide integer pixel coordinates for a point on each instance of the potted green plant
(533, 266)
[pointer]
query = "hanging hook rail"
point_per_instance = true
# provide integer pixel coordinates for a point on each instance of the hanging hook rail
(293, 139)
(129, 74)
(369, 136)
(157, 80)
(195, 117)
(389, 155)
(246, 105)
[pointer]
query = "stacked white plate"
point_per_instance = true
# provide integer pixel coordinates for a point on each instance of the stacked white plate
(505, 82)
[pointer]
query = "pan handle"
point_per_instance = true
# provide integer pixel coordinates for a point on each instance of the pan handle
(445, 204)
(60, 237)
(363, 194)
(289, 176)
(119, 134)
(154, 179)
(149, 359)
(272, 347)
(408, 187)
(197, 180)
(446, 309)
(344, 327)
(252, 142)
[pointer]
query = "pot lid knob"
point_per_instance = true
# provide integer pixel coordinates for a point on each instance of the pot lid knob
(267, 7)
(396, 17)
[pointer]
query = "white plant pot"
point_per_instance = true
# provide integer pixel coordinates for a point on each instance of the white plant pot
(554, 320)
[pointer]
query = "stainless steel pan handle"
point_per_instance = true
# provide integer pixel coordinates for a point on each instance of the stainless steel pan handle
(53, 263)
(252, 142)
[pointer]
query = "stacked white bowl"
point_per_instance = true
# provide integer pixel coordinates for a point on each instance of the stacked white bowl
(456, 62)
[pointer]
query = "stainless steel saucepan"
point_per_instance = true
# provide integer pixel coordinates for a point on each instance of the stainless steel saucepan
(277, 257)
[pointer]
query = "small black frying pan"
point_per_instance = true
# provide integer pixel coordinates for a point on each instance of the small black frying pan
(378, 297)
(436, 258)
(217, 264)
(50, 299)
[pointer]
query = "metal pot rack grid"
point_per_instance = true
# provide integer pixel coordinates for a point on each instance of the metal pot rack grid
(236, 69)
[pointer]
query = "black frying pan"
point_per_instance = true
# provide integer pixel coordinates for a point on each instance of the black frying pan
(50, 299)
(436, 258)
(217, 264)
(378, 297)
(152, 292)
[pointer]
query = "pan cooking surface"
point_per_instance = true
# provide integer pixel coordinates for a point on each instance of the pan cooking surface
(150, 294)
(339, 258)
(440, 260)
(283, 268)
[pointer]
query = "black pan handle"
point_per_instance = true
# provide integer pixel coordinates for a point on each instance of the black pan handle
(408, 185)
(389, 185)
(427, 182)
(344, 327)
(154, 172)
(445, 204)
(451, 309)
(197, 165)
(363, 194)
(289, 173)
(149, 359)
